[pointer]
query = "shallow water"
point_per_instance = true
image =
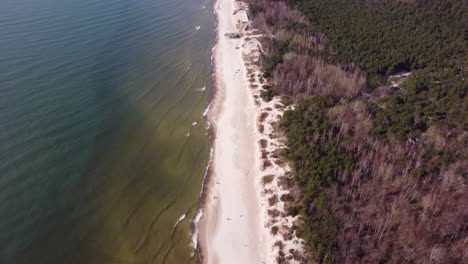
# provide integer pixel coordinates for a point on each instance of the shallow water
(99, 157)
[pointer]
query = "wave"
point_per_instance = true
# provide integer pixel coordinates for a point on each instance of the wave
(200, 210)
(195, 229)
(182, 217)
(207, 109)
(202, 89)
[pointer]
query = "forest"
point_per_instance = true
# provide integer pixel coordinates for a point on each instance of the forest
(377, 135)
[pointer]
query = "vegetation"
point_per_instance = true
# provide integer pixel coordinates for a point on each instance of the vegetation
(366, 201)
(390, 36)
(382, 168)
(430, 97)
(268, 93)
(316, 164)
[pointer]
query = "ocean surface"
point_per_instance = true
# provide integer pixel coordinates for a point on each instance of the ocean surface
(103, 148)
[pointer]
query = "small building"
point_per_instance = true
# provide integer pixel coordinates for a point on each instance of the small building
(233, 35)
(400, 75)
(396, 80)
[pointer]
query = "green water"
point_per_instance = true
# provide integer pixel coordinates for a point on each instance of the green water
(99, 157)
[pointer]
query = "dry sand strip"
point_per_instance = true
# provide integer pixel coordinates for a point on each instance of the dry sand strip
(241, 222)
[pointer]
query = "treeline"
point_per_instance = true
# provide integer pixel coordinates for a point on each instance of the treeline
(381, 171)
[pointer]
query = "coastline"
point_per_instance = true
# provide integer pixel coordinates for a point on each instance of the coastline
(242, 218)
(231, 227)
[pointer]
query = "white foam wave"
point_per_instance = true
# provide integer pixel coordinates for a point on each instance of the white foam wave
(200, 210)
(182, 217)
(206, 110)
(195, 229)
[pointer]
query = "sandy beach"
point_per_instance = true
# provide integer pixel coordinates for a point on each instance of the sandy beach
(231, 229)
(243, 220)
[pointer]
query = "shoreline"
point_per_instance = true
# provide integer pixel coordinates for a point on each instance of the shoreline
(239, 223)
(231, 225)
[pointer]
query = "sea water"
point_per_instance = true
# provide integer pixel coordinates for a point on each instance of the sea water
(103, 147)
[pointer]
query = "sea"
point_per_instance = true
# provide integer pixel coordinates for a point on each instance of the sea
(103, 144)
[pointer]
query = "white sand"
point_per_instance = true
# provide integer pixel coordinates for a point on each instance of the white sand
(235, 226)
